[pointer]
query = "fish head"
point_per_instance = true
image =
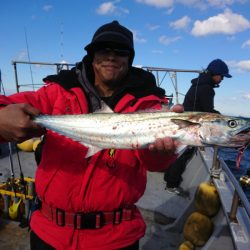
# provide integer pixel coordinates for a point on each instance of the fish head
(225, 131)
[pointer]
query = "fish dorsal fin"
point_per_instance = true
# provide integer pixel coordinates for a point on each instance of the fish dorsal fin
(104, 108)
(184, 123)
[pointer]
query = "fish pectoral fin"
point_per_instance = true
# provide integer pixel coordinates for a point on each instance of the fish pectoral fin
(180, 150)
(104, 108)
(92, 150)
(184, 123)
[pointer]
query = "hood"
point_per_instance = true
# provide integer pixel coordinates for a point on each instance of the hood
(138, 83)
(204, 79)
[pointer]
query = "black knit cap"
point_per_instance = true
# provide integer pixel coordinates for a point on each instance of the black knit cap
(114, 35)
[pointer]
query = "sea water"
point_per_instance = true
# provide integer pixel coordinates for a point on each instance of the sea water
(229, 156)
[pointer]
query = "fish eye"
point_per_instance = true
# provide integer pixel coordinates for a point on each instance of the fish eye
(232, 123)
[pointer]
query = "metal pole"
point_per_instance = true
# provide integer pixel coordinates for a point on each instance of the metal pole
(176, 88)
(16, 78)
(216, 169)
(234, 207)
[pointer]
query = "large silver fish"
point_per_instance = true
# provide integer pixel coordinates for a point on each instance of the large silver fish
(100, 131)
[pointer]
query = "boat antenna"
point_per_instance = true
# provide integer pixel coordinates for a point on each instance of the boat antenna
(28, 53)
(61, 47)
(61, 41)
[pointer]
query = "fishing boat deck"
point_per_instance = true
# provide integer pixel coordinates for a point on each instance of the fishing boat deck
(12, 235)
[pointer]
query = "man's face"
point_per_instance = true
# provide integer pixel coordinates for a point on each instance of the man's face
(110, 65)
(217, 79)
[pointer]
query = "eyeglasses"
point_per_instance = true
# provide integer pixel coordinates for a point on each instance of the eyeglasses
(117, 52)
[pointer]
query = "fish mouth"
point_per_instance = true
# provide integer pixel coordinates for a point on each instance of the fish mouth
(241, 138)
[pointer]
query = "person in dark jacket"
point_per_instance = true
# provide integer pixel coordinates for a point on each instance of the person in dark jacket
(200, 97)
(89, 202)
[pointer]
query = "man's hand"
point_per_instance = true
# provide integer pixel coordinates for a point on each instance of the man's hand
(167, 145)
(16, 123)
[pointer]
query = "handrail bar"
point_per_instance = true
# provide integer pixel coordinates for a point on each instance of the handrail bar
(171, 69)
(58, 66)
(42, 63)
(238, 189)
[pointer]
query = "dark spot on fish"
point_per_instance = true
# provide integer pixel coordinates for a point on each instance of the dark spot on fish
(114, 127)
(135, 145)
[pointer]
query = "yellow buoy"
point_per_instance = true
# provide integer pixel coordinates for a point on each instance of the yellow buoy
(186, 245)
(26, 146)
(35, 144)
(198, 228)
(207, 200)
(14, 209)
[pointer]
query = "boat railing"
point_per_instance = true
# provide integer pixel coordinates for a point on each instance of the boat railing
(239, 198)
(234, 203)
(58, 68)
(161, 73)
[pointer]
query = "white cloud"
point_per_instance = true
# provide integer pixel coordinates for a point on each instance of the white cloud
(224, 23)
(167, 40)
(224, 3)
(157, 3)
(246, 96)
(108, 8)
(138, 38)
(157, 51)
(241, 66)
(21, 55)
(200, 4)
(221, 3)
(170, 11)
(246, 44)
(47, 7)
(123, 10)
(153, 27)
(181, 23)
(244, 65)
(231, 38)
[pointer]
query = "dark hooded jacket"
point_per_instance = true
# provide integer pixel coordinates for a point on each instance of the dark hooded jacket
(200, 96)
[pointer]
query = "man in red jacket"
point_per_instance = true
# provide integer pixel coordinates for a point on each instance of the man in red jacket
(88, 203)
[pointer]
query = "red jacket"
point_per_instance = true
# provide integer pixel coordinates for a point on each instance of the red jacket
(65, 179)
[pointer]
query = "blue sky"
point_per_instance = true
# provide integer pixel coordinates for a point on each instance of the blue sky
(182, 34)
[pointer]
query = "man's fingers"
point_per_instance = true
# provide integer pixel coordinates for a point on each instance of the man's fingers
(178, 108)
(30, 110)
(166, 145)
(16, 122)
